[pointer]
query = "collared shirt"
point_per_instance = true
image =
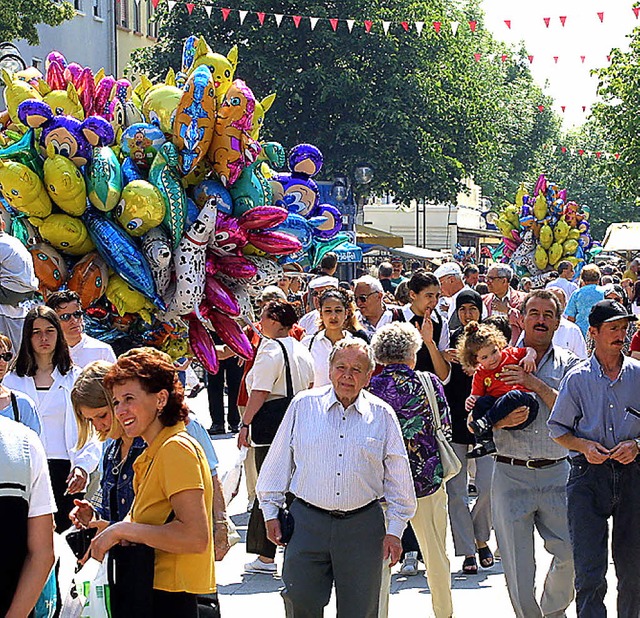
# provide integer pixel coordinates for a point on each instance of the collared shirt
(533, 442)
(592, 406)
(443, 341)
(89, 349)
(568, 336)
(320, 348)
(310, 322)
(568, 287)
(580, 304)
(370, 329)
(339, 459)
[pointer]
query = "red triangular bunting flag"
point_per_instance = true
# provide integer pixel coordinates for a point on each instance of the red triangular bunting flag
(598, 155)
(190, 7)
(601, 16)
(582, 59)
(225, 14)
(530, 59)
(563, 108)
(334, 23)
(608, 58)
(564, 149)
(563, 20)
(580, 152)
(473, 25)
(296, 19)
(540, 108)
(617, 155)
(405, 25)
(477, 56)
(261, 17)
(155, 3)
(636, 11)
(437, 25)
(584, 108)
(367, 25)
(508, 23)
(504, 57)
(547, 21)
(555, 59)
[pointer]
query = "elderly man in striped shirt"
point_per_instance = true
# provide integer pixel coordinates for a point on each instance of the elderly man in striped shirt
(339, 451)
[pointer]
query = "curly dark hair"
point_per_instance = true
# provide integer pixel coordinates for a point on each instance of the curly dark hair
(155, 372)
(345, 297)
(475, 337)
(281, 311)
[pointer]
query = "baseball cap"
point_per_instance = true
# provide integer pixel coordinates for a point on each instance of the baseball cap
(608, 311)
(323, 282)
(448, 268)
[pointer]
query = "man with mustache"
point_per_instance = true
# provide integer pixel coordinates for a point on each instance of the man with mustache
(531, 472)
(595, 418)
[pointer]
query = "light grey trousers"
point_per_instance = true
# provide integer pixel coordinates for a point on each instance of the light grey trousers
(325, 550)
(525, 500)
(469, 526)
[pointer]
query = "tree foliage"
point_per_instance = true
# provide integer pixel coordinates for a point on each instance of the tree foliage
(421, 110)
(20, 18)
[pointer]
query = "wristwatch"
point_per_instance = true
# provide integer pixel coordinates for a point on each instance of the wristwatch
(637, 441)
(245, 426)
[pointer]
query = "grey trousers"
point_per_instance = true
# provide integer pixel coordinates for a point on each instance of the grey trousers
(325, 550)
(469, 526)
(524, 500)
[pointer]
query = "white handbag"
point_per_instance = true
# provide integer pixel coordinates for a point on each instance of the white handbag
(450, 463)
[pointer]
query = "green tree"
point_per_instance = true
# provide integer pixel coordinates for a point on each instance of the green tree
(20, 18)
(420, 109)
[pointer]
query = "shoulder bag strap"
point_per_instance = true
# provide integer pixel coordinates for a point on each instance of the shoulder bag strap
(427, 384)
(311, 342)
(287, 368)
(14, 405)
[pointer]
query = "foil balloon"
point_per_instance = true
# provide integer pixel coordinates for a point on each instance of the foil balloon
(141, 208)
(195, 119)
(89, 278)
(122, 255)
(130, 171)
(86, 90)
(188, 53)
(55, 76)
(212, 189)
(192, 213)
(141, 142)
(24, 151)
(15, 92)
(165, 176)
(64, 183)
(305, 160)
(159, 106)
(242, 297)
(104, 88)
(301, 227)
(104, 179)
(231, 265)
(322, 247)
(67, 234)
(49, 267)
(23, 189)
(189, 262)
(332, 224)
(262, 107)
(298, 194)
(63, 102)
(157, 252)
(202, 344)
(219, 296)
(229, 331)
(24, 231)
(232, 147)
(269, 272)
(128, 300)
(222, 67)
(275, 243)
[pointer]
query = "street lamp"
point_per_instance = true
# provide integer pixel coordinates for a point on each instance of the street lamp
(10, 58)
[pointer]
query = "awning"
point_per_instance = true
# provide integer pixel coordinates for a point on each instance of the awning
(368, 237)
(347, 252)
(420, 253)
(621, 237)
(486, 237)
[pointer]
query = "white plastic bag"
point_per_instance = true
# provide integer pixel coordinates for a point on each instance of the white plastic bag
(95, 591)
(231, 478)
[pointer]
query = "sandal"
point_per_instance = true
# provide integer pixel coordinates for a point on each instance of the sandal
(486, 557)
(470, 566)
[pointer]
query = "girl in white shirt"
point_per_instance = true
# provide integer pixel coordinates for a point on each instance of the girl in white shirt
(44, 371)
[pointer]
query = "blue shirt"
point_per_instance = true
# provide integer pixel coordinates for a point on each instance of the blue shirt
(26, 411)
(591, 406)
(580, 304)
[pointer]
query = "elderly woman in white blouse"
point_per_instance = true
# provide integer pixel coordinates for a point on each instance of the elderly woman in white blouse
(44, 371)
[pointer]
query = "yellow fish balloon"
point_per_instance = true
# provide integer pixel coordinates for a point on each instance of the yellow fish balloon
(67, 234)
(160, 104)
(141, 208)
(127, 300)
(520, 193)
(15, 92)
(23, 189)
(65, 183)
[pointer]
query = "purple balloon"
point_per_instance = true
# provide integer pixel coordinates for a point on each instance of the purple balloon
(305, 152)
(202, 345)
(333, 224)
(220, 297)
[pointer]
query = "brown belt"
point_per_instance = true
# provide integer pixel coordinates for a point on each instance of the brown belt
(337, 514)
(529, 463)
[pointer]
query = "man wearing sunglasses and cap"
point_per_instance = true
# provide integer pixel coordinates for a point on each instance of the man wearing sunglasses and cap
(595, 416)
(83, 349)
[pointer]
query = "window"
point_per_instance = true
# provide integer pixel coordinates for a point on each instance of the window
(97, 8)
(36, 63)
(77, 5)
(136, 16)
(122, 13)
(152, 25)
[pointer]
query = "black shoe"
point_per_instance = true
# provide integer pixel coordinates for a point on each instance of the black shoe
(195, 390)
(472, 490)
(480, 426)
(216, 430)
(235, 428)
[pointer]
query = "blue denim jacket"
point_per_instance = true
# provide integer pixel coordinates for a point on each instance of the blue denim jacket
(120, 477)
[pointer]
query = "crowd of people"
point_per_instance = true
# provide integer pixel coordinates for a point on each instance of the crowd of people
(377, 413)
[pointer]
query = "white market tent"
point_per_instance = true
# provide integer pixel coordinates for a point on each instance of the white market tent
(622, 238)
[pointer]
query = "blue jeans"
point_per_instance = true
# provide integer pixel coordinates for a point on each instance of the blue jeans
(595, 493)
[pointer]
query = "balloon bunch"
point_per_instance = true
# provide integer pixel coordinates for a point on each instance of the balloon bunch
(158, 204)
(542, 228)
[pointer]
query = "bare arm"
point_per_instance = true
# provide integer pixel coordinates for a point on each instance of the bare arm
(256, 399)
(593, 451)
(440, 366)
(514, 374)
(188, 533)
(220, 525)
(529, 360)
(570, 318)
(36, 568)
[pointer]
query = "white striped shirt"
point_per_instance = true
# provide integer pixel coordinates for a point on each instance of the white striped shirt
(339, 459)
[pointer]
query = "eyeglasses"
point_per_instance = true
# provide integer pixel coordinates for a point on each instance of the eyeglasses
(494, 278)
(6, 356)
(362, 298)
(65, 317)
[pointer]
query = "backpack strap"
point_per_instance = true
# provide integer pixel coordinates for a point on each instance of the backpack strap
(14, 405)
(309, 346)
(397, 315)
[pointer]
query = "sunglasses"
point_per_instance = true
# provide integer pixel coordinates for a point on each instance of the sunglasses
(362, 298)
(65, 317)
(6, 356)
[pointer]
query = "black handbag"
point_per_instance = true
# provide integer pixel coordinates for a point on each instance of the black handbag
(268, 418)
(286, 525)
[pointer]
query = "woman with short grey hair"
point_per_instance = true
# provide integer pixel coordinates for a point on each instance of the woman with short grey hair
(396, 346)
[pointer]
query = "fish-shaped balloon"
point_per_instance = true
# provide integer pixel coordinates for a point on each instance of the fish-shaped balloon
(49, 266)
(66, 233)
(23, 189)
(64, 183)
(202, 344)
(89, 278)
(104, 179)
(128, 300)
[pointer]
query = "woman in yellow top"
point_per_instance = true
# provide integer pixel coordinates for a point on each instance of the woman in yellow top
(171, 476)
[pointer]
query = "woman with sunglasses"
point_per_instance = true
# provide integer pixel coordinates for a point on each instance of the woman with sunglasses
(44, 371)
(14, 404)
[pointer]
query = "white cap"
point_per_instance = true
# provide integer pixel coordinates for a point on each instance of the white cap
(448, 268)
(323, 282)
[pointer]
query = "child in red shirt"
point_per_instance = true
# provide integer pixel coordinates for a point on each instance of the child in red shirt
(483, 349)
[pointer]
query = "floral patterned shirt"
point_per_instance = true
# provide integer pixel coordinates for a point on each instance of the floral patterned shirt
(401, 388)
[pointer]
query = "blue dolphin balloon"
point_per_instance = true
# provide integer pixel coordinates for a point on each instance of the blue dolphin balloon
(121, 253)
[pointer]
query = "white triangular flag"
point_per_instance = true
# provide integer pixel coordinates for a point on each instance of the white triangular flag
(350, 23)
(278, 19)
(242, 15)
(171, 4)
(385, 26)
(454, 27)
(419, 27)
(313, 21)
(137, 2)
(208, 8)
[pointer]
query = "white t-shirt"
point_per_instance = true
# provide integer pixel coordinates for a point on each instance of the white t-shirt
(320, 351)
(570, 336)
(268, 371)
(310, 322)
(89, 349)
(16, 265)
(567, 286)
